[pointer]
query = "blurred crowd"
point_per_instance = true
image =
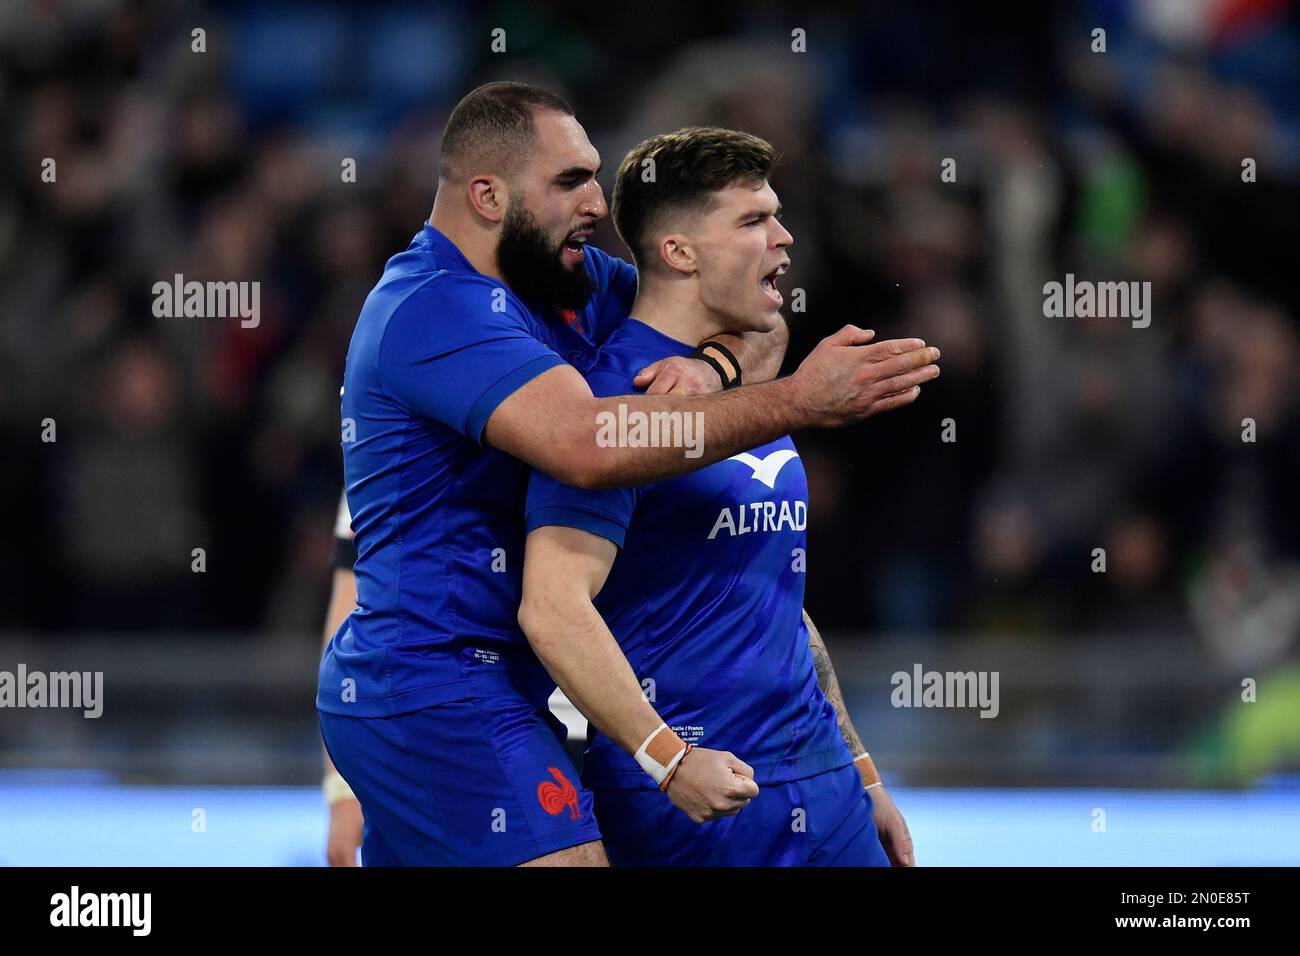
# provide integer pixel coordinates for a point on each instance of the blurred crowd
(1064, 435)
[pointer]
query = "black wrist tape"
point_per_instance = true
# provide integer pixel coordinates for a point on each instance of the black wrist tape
(732, 381)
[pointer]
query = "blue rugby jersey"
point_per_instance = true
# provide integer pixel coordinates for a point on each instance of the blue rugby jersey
(438, 517)
(706, 595)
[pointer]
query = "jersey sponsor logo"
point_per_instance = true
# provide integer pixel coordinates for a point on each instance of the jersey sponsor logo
(554, 797)
(761, 516)
(768, 467)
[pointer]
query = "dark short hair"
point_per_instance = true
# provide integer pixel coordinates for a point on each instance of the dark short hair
(690, 165)
(492, 127)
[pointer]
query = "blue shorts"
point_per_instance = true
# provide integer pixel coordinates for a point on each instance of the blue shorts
(823, 820)
(482, 781)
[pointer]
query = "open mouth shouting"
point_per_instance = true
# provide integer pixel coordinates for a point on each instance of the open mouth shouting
(768, 282)
(572, 250)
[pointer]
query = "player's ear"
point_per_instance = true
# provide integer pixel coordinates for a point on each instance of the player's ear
(488, 196)
(677, 253)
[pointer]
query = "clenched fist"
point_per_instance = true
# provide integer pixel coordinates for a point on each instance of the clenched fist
(709, 784)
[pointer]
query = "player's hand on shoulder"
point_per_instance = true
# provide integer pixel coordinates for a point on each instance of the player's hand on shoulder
(709, 784)
(678, 375)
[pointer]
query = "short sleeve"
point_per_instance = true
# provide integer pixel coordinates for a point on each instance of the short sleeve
(457, 348)
(606, 513)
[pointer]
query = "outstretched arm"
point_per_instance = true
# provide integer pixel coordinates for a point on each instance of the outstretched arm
(894, 835)
(555, 424)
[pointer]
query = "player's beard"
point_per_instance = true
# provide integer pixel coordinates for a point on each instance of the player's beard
(530, 264)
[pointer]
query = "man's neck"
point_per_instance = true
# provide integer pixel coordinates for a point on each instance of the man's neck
(674, 310)
(476, 242)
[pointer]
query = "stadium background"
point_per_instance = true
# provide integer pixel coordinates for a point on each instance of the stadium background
(1118, 691)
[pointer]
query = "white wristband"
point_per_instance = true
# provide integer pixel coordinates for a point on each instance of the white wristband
(657, 770)
(676, 759)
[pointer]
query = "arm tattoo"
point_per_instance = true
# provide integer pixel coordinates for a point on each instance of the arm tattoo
(830, 686)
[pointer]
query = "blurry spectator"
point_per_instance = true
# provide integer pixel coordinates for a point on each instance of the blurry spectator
(977, 508)
(130, 517)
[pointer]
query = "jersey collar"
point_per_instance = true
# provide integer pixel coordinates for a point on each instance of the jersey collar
(444, 250)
